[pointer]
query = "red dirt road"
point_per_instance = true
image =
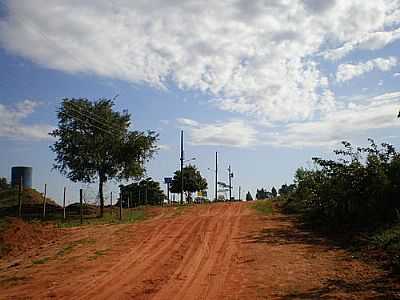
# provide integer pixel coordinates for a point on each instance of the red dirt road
(219, 251)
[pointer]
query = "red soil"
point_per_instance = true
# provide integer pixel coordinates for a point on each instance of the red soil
(219, 251)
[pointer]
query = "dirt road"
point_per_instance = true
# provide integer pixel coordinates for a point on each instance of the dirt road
(220, 251)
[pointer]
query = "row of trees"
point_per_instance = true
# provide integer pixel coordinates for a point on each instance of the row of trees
(264, 194)
(146, 191)
(360, 187)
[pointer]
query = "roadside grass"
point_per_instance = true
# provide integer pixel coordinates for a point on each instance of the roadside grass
(180, 209)
(4, 248)
(40, 261)
(263, 207)
(388, 239)
(68, 248)
(98, 253)
(128, 216)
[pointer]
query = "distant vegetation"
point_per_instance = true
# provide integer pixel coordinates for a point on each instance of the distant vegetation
(249, 197)
(146, 191)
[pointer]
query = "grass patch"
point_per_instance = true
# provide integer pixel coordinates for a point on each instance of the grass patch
(98, 253)
(179, 210)
(40, 261)
(128, 216)
(12, 281)
(68, 248)
(263, 206)
(4, 248)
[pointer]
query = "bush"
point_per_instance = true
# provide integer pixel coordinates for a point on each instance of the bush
(360, 188)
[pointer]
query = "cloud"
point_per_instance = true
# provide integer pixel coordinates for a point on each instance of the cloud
(164, 147)
(369, 41)
(235, 133)
(256, 57)
(349, 71)
(344, 124)
(11, 125)
(187, 122)
(396, 74)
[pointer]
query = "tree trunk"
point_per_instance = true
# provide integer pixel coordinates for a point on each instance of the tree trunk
(101, 182)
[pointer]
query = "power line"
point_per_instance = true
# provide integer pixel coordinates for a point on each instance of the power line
(110, 127)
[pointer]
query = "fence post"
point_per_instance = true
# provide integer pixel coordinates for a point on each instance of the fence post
(120, 207)
(65, 190)
(81, 204)
(19, 198)
(44, 200)
(111, 204)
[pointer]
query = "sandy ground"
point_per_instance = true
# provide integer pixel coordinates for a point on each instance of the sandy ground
(220, 251)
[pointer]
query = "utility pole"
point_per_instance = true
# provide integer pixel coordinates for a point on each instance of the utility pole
(19, 197)
(230, 182)
(240, 188)
(181, 166)
(216, 176)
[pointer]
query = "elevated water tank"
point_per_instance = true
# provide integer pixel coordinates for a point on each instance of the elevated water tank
(24, 173)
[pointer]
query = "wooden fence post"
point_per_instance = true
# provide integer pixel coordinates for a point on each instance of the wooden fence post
(111, 204)
(65, 191)
(120, 207)
(44, 200)
(81, 204)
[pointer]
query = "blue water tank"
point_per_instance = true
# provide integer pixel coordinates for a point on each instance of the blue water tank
(24, 173)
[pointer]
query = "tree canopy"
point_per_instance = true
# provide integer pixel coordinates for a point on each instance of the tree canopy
(192, 181)
(94, 143)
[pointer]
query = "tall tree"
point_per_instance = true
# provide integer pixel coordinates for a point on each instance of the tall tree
(192, 181)
(94, 142)
(274, 192)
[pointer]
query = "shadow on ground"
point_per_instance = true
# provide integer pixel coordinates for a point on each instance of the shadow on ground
(290, 231)
(289, 234)
(379, 288)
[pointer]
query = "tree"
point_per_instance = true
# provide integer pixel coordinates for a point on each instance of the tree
(249, 197)
(146, 191)
(262, 194)
(192, 181)
(274, 192)
(94, 142)
(285, 189)
(3, 183)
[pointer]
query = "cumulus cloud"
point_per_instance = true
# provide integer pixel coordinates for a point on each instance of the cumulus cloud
(343, 124)
(349, 71)
(234, 133)
(11, 125)
(254, 57)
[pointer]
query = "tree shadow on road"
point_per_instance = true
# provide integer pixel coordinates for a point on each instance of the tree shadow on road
(289, 232)
(378, 288)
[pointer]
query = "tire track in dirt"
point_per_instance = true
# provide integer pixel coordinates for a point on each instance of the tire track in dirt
(135, 261)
